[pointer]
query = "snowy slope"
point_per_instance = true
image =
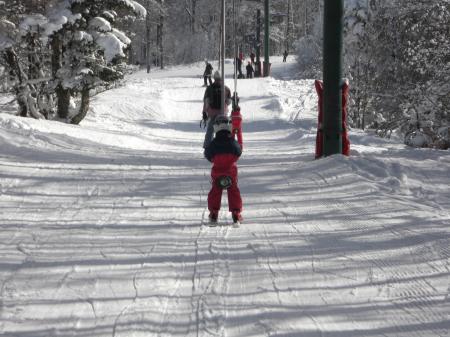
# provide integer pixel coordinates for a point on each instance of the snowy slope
(102, 235)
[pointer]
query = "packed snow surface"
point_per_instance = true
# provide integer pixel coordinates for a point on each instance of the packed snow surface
(103, 225)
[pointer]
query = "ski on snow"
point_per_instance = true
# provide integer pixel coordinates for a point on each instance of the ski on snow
(226, 224)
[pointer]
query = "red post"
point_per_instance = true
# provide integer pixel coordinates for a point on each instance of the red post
(345, 140)
(319, 136)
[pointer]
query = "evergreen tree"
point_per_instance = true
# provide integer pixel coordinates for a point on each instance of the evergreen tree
(396, 56)
(87, 52)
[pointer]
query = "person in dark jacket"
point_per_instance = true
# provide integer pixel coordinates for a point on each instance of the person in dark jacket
(212, 106)
(285, 55)
(224, 151)
(250, 70)
(207, 73)
(252, 57)
(238, 65)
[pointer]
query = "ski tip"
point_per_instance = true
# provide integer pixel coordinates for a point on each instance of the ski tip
(213, 224)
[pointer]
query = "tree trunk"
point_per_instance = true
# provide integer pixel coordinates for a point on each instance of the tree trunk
(84, 107)
(64, 97)
(288, 24)
(258, 43)
(306, 19)
(15, 71)
(160, 39)
(194, 8)
(147, 39)
(56, 46)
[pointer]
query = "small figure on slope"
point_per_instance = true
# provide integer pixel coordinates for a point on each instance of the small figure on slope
(238, 65)
(212, 106)
(285, 55)
(250, 70)
(224, 151)
(207, 73)
(252, 57)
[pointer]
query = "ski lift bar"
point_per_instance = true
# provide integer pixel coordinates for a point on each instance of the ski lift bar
(222, 57)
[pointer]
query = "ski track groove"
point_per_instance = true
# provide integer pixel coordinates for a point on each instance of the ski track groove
(172, 295)
(274, 274)
(126, 307)
(199, 308)
(418, 295)
(208, 303)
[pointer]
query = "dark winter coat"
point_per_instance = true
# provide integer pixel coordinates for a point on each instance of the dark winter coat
(224, 151)
(208, 70)
(211, 99)
(250, 70)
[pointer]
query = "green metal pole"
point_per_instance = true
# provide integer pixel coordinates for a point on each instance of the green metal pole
(258, 44)
(266, 37)
(332, 74)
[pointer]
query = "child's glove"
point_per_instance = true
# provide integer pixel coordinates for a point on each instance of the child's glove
(204, 119)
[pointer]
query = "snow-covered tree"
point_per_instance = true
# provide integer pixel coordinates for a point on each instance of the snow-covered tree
(308, 46)
(400, 69)
(396, 57)
(87, 49)
(21, 53)
(358, 62)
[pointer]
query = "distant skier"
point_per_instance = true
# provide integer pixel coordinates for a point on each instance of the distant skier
(257, 68)
(238, 65)
(250, 70)
(224, 151)
(241, 56)
(252, 57)
(207, 73)
(212, 104)
(285, 55)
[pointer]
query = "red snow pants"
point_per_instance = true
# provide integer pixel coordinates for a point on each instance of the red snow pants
(215, 195)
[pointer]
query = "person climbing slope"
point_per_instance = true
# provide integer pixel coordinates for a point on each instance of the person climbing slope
(212, 106)
(250, 70)
(207, 73)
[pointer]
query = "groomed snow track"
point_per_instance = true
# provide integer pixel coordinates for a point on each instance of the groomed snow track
(102, 225)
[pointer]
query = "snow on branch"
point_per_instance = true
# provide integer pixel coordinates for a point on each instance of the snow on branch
(137, 8)
(32, 22)
(100, 24)
(111, 45)
(58, 16)
(121, 36)
(7, 34)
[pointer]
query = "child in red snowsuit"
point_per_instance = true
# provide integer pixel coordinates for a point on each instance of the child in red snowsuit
(224, 151)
